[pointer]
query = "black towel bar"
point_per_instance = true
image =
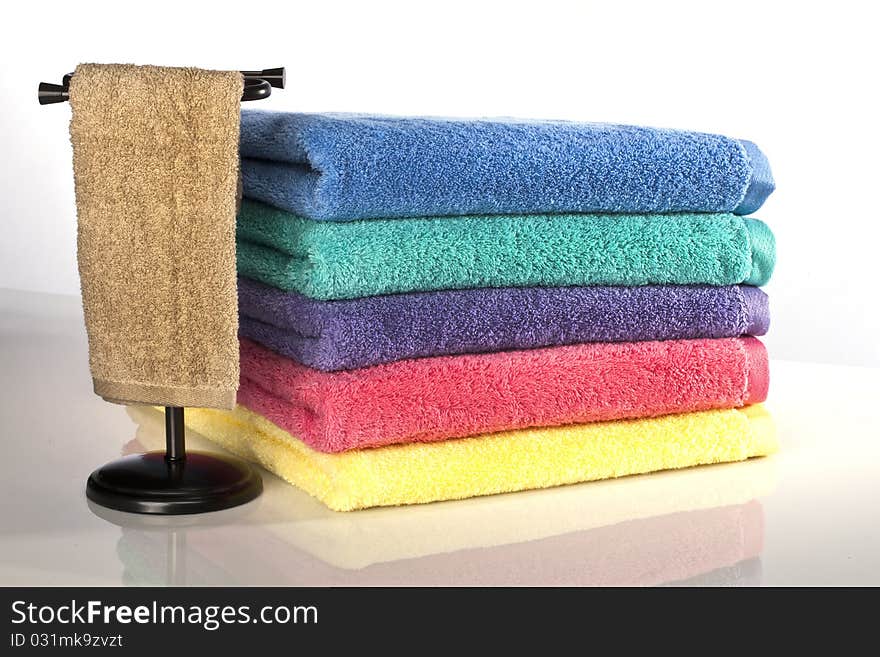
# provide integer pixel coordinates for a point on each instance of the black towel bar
(257, 85)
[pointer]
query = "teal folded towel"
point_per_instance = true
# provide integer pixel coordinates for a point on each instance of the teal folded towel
(345, 260)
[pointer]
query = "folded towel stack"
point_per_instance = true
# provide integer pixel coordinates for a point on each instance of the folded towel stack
(436, 308)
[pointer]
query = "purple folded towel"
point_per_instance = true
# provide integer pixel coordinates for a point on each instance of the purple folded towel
(352, 333)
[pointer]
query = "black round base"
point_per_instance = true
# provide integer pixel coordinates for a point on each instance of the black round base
(149, 483)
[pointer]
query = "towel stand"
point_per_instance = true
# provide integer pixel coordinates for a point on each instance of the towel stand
(175, 481)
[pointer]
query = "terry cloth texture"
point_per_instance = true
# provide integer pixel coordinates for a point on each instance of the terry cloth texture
(345, 260)
(357, 540)
(155, 160)
(341, 167)
(495, 463)
(429, 399)
(347, 334)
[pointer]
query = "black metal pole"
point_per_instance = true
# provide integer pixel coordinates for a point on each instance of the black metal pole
(175, 436)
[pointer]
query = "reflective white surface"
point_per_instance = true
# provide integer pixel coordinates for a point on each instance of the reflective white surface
(809, 515)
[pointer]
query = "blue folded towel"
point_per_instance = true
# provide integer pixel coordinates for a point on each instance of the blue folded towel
(342, 167)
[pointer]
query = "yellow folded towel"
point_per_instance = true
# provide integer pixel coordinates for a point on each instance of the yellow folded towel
(492, 463)
(386, 534)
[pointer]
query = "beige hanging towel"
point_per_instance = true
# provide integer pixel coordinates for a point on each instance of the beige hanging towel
(155, 160)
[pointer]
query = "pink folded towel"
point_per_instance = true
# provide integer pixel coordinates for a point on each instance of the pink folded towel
(444, 397)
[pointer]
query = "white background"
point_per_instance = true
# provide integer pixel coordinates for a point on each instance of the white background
(798, 79)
